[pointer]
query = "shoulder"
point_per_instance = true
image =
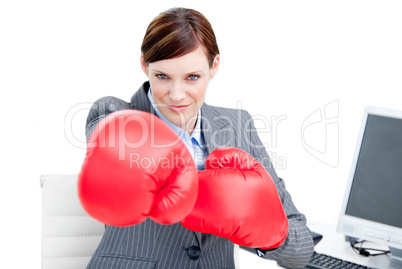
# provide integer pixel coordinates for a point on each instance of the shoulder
(110, 104)
(223, 112)
(106, 105)
(101, 108)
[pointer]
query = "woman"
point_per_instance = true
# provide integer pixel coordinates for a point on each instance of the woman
(180, 55)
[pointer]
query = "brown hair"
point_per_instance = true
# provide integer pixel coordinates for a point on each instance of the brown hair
(176, 32)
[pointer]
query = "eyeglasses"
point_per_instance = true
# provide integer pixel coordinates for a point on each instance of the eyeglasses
(366, 251)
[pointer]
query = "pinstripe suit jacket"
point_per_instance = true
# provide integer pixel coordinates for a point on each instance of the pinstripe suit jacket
(151, 245)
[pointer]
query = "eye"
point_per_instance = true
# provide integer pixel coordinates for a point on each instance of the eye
(193, 77)
(161, 76)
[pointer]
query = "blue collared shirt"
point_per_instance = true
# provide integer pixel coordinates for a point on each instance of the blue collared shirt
(195, 143)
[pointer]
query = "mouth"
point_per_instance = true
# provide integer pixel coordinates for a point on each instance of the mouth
(178, 108)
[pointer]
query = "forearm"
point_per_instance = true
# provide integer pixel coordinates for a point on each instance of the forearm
(298, 247)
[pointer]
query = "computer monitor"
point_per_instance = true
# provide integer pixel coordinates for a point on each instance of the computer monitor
(372, 207)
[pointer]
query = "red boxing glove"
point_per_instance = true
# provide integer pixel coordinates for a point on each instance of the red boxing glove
(238, 200)
(136, 167)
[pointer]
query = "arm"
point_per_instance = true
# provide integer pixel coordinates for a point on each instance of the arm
(298, 246)
(100, 109)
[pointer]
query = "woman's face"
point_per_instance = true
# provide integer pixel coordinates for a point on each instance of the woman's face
(179, 86)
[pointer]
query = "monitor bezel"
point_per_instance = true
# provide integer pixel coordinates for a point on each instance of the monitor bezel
(360, 228)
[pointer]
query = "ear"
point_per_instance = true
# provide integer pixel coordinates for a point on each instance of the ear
(144, 66)
(215, 66)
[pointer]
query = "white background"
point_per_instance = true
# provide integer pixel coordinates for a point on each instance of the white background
(283, 59)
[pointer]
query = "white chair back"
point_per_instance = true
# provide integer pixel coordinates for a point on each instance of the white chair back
(69, 235)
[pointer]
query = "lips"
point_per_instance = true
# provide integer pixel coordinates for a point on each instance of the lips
(178, 108)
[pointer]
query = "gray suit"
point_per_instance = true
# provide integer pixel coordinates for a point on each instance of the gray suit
(151, 245)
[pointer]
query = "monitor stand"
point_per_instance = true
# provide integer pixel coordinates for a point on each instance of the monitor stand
(393, 261)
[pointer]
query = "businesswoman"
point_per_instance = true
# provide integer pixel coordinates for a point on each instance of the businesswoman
(180, 55)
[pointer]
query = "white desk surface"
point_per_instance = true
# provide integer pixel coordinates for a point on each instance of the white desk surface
(333, 244)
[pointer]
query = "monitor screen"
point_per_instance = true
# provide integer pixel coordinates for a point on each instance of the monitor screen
(372, 207)
(376, 191)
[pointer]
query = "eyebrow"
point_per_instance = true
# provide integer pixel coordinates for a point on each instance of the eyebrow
(190, 73)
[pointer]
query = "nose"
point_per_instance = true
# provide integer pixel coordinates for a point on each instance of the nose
(177, 92)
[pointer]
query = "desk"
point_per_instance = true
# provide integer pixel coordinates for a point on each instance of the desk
(333, 244)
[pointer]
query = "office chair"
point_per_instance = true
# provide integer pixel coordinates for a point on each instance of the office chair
(69, 235)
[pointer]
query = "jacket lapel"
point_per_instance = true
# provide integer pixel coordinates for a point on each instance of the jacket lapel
(213, 128)
(140, 101)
